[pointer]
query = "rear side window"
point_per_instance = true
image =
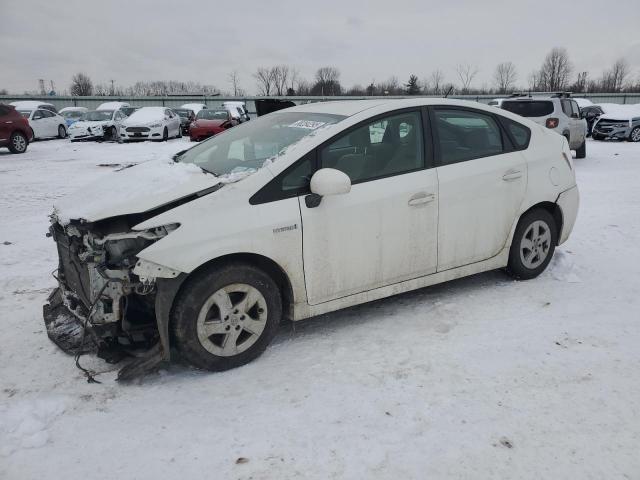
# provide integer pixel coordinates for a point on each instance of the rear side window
(529, 108)
(519, 133)
(566, 107)
(4, 110)
(466, 134)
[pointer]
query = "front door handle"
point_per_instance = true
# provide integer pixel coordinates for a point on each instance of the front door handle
(511, 175)
(421, 198)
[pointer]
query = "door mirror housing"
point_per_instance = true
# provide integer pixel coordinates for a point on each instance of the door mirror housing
(327, 181)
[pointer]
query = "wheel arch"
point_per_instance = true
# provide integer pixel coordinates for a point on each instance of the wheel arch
(555, 211)
(267, 265)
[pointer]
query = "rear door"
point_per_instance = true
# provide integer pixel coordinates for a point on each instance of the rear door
(482, 183)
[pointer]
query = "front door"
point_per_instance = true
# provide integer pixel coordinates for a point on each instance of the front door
(39, 124)
(481, 184)
(384, 230)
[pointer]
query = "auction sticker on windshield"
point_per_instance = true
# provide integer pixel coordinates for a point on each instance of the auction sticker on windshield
(308, 124)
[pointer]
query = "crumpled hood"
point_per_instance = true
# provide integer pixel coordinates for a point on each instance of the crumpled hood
(134, 190)
(89, 123)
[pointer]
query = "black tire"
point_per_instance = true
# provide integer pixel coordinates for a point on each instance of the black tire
(596, 137)
(581, 151)
(179, 132)
(18, 143)
(516, 267)
(62, 132)
(191, 300)
(113, 134)
(635, 133)
(165, 134)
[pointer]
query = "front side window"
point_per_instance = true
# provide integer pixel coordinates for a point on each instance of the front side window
(391, 146)
(247, 146)
(465, 135)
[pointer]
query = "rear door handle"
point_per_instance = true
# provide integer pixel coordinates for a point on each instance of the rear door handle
(511, 175)
(421, 198)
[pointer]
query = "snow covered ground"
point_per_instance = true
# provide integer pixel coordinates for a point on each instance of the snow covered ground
(482, 377)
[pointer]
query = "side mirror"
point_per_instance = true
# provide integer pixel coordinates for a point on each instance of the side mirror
(327, 181)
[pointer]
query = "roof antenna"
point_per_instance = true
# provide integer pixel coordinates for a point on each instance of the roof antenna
(448, 91)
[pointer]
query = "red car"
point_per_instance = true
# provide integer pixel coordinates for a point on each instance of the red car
(209, 123)
(15, 132)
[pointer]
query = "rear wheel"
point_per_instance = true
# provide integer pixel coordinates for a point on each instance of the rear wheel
(581, 151)
(534, 242)
(225, 317)
(635, 135)
(18, 143)
(62, 132)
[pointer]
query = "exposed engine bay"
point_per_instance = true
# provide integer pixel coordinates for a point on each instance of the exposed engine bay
(106, 296)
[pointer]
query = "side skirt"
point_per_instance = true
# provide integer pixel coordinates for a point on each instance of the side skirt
(304, 310)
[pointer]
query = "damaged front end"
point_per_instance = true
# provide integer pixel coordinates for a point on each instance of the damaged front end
(107, 299)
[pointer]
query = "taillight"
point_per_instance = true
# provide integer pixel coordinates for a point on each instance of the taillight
(552, 122)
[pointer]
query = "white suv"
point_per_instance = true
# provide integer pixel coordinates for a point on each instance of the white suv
(559, 113)
(302, 212)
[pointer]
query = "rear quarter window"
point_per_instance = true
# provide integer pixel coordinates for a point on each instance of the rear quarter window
(529, 108)
(520, 134)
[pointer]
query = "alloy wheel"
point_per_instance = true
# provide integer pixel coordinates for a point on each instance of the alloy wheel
(19, 143)
(535, 244)
(232, 319)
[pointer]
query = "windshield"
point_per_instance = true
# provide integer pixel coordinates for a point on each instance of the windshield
(247, 146)
(128, 110)
(25, 113)
(72, 114)
(528, 108)
(98, 115)
(212, 115)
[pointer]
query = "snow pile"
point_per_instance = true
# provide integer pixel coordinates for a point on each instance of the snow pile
(133, 189)
(145, 115)
(24, 424)
(196, 107)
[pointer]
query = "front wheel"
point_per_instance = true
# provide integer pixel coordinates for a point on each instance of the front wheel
(225, 317)
(635, 135)
(165, 134)
(534, 242)
(179, 132)
(62, 132)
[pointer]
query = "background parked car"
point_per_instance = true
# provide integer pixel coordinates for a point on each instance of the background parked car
(98, 125)
(15, 133)
(45, 123)
(187, 116)
(238, 110)
(73, 114)
(618, 125)
(211, 122)
(112, 106)
(196, 107)
(33, 104)
(151, 123)
(558, 113)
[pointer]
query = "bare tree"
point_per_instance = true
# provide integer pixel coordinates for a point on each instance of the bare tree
(4, 91)
(327, 81)
(555, 71)
(281, 75)
(265, 80)
(613, 80)
(234, 80)
(435, 82)
(504, 77)
(81, 85)
(466, 74)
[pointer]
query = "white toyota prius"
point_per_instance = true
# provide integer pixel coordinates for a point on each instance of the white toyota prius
(298, 213)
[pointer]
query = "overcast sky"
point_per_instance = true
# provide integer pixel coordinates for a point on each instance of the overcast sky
(367, 40)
